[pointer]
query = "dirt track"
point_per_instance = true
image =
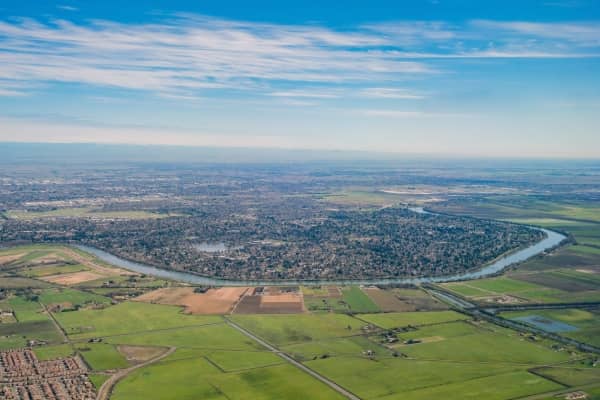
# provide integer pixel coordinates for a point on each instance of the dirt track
(106, 389)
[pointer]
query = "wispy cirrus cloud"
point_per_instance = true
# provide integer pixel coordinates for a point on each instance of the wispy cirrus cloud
(392, 93)
(185, 56)
(188, 54)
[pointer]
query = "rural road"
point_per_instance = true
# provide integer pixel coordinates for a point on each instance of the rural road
(107, 387)
(297, 364)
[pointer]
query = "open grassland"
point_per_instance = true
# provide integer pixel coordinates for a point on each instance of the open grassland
(581, 372)
(197, 378)
(498, 387)
(101, 356)
(126, 318)
(357, 301)
(481, 346)
(45, 271)
(586, 322)
(403, 355)
(288, 329)
(11, 282)
(567, 276)
(17, 335)
(83, 212)
(32, 324)
(371, 379)
(581, 219)
(76, 298)
(53, 352)
(205, 338)
(25, 310)
(354, 346)
(98, 379)
(397, 320)
(462, 362)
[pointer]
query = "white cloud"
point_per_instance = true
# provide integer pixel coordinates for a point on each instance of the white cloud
(392, 93)
(187, 55)
(315, 94)
(584, 34)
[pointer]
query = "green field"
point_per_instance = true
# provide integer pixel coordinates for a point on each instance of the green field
(396, 320)
(83, 212)
(288, 329)
(197, 378)
(37, 272)
(357, 300)
(100, 356)
(98, 379)
(53, 352)
(416, 355)
(128, 317)
(588, 323)
(72, 296)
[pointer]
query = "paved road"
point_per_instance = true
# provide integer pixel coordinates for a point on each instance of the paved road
(297, 364)
(107, 387)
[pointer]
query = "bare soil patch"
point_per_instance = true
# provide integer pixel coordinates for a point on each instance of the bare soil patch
(213, 301)
(72, 279)
(504, 299)
(386, 300)
(10, 258)
(140, 354)
(271, 300)
(172, 296)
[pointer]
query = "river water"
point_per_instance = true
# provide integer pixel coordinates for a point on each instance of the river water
(551, 240)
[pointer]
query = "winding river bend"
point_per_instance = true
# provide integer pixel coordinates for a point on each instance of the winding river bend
(551, 240)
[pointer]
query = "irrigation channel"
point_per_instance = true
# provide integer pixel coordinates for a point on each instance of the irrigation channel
(551, 240)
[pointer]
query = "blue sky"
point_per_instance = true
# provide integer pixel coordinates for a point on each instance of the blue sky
(440, 77)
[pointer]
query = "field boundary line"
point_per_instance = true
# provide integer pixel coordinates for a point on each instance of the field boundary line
(344, 392)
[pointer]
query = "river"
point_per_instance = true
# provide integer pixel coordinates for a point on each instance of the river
(551, 240)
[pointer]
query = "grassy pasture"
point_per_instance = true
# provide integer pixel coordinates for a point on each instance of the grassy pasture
(72, 296)
(573, 374)
(197, 378)
(182, 379)
(498, 387)
(10, 282)
(276, 382)
(17, 334)
(351, 347)
(231, 361)
(98, 379)
(101, 356)
(503, 285)
(75, 212)
(49, 270)
(483, 347)
(205, 338)
(25, 310)
(370, 379)
(357, 300)
(288, 329)
(127, 318)
(396, 320)
(53, 352)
